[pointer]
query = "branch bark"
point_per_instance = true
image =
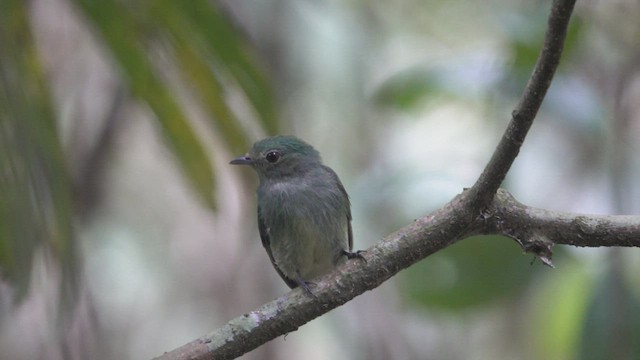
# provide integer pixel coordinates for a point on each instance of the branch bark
(482, 209)
(536, 230)
(525, 112)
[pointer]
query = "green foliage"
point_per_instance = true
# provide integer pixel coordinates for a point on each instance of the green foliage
(471, 273)
(611, 321)
(36, 202)
(557, 303)
(206, 51)
(219, 43)
(35, 190)
(525, 41)
(557, 307)
(406, 90)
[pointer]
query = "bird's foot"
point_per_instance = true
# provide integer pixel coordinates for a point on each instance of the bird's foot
(355, 254)
(306, 286)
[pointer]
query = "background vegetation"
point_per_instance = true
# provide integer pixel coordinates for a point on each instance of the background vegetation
(124, 233)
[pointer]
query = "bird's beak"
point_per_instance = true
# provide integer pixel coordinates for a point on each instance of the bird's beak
(242, 160)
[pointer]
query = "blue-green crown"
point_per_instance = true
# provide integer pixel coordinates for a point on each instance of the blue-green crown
(287, 144)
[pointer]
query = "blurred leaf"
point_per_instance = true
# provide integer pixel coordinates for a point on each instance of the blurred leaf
(525, 40)
(470, 273)
(124, 36)
(192, 61)
(558, 308)
(228, 50)
(612, 321)
(210, 54)
(573, 40)
(35, 195)
(525, 35)
(456, 80)
(407, 89)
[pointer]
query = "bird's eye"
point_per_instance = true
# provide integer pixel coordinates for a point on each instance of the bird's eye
(272, 156)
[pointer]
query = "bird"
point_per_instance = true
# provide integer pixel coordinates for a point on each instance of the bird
(304, 211)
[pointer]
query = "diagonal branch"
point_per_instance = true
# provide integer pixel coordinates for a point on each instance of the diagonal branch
(396, 252)
(536, 230)
(475, 211)
(525, 112)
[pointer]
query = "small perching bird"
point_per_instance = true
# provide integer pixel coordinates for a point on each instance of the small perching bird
(304, 213)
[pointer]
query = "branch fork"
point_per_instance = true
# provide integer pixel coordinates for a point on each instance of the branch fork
(482, 209)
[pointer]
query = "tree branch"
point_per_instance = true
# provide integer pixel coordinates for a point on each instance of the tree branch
(535, 229)
(475, 211)
(525, 112)
(396, 252)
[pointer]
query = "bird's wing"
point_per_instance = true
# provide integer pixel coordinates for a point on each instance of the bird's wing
(266, 242)
(349, 230)
(347, 205)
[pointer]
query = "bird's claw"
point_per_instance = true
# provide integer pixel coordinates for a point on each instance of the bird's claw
(355, 254)
(305, 285)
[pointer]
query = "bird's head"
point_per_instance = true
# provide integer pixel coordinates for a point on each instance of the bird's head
(279, 157)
